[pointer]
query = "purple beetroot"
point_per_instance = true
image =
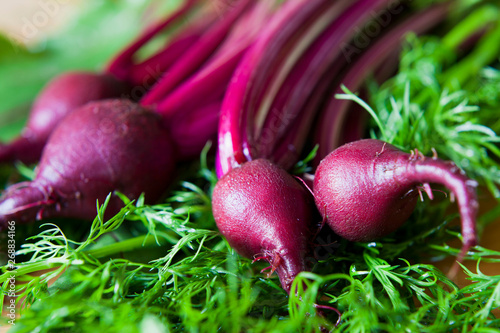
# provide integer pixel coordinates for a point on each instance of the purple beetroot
(366, 189)
(59, 97)
(97, 149)
(265, 213)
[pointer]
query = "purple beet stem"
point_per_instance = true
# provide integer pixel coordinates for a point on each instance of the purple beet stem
(333, 118)
(121, 64)
(195, 56)
(235, 131)
(253, 72)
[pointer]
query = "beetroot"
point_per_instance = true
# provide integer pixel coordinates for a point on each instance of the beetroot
(265, 213)
(97, 149)
(60, 97)
(366, 189)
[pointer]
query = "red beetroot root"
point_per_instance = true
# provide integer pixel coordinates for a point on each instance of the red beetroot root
(265, 213)
(60, 97)
(97, 149)
(366, 189)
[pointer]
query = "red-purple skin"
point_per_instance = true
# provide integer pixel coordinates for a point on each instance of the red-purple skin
(264, 212)
(59, 97)
(99, 148)
(366, 189)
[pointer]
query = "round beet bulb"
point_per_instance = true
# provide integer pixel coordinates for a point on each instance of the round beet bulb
(366, 189)
(59, 97)
(265, 213)
(97, 149)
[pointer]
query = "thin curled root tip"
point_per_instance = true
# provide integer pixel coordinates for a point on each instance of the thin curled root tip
(274, 260)
(302, 181)
(259, 257)
(453, 271)
(428, 191)
(434, 153)
(329, 308)
(455, 268)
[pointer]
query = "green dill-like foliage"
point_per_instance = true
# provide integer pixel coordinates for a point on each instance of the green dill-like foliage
(152, 269)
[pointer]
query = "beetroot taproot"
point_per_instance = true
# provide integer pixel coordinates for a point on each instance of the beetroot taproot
(366, 189)
(102, 147)
(60, 96)
(265, 213)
